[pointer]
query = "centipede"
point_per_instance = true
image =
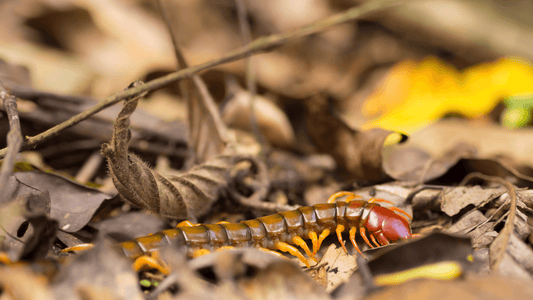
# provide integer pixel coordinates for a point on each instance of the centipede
(377, 225)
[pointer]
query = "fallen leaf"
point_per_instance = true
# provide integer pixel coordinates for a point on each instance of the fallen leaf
(428, 90)
(357, 152)
(270, 119)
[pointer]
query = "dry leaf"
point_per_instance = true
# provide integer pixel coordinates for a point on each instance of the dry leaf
(271, 120)
(358, 152)
(339, 266)
(425, 91)
(185, 196)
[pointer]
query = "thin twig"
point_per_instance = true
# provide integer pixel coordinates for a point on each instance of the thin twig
(206, 100)
(14, 139)
(250, 71)
(263, 44)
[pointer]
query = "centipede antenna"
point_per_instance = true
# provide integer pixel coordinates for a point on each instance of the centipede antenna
(350, 197)
(402, 212)
(373, 200)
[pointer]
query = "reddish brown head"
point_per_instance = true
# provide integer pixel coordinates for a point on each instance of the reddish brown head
(386, 225)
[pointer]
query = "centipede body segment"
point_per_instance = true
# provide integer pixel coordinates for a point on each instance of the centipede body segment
(283, 230)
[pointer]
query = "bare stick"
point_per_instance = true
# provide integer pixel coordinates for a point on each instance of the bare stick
(263, 44)
(14, 139)
(250, 71)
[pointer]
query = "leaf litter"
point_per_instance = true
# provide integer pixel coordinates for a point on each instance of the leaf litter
(214, 183)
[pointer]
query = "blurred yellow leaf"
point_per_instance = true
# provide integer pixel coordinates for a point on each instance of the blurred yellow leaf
(416, 94)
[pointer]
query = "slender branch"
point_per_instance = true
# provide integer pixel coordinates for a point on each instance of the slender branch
(250, 71)
(263, 44)
(14, 140)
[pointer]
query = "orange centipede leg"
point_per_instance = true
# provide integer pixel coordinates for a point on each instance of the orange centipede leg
(80, 247)
(374, 240)
(152, 262)
(339, 230)
(281, 246)
(225, 248)
(272, 252)
(353, 231)
(199, 252)
(185, 223)
(4, 258)
(300, 242)
(363, 234)
(322, 236)
(314, 241)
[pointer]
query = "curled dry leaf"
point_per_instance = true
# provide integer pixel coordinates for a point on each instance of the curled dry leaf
(184, 196)
(357, 152)
(271, 120)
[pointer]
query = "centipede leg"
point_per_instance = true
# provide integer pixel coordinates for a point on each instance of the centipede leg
(185, 223)
(80, 247)
(374, 240)
(363, 234)
(4, 258)
(353, 231)
(339, 230)
(153, 262)
(225, 248)
(199, 252)
(281, 246)
(300, 242)
(322, 236)
(314, 241)
(272, 252)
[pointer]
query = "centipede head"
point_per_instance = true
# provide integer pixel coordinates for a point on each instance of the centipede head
(387, 226)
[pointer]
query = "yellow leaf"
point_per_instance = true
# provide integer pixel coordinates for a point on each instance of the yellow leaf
(416, 94)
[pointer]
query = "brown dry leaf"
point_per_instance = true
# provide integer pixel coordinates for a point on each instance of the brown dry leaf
(271, 120)
(339, 266)
(455, 199)
(185, 196)
(488, 140)
(357, 152)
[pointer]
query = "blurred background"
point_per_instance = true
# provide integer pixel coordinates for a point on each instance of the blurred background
(440, 71)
